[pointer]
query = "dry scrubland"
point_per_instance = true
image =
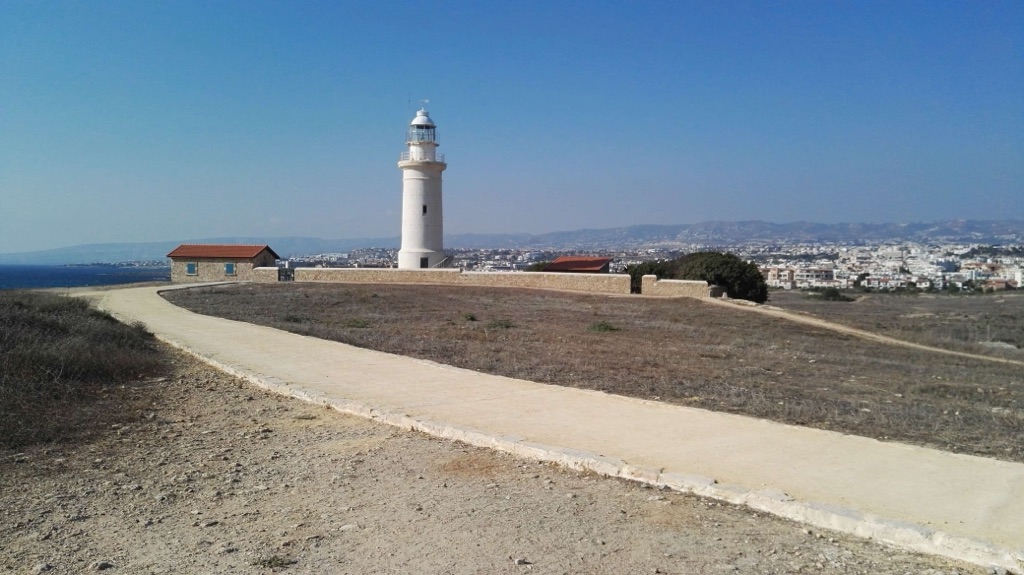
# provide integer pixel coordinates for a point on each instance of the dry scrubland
(991, 324)
(187, 470)
(60, 362)
(681, 351)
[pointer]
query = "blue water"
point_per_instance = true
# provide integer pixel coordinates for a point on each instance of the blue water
(21, 277)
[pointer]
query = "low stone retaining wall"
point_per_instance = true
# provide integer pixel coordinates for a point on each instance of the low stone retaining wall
(651, 285)
(377, 275)
(590, 283)
(615, 284)
(264, 275)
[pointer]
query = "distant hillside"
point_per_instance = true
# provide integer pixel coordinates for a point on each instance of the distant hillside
(645, 236)
(735, 233)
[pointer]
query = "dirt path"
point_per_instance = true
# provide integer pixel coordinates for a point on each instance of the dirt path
(216, 477)
(867, 335)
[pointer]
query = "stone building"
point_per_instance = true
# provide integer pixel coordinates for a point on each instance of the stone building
(219, 262)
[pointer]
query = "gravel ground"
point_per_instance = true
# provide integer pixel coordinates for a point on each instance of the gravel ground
(217, 477)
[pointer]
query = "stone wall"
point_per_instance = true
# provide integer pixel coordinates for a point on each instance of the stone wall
(590, 283)
(651, 285)
(617, 284)
(377, 275)
(265, 275)
(211, 270)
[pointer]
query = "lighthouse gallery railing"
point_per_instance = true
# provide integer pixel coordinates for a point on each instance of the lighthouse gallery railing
(407, 156)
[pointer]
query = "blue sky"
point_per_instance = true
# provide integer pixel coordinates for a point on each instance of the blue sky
(150, 121)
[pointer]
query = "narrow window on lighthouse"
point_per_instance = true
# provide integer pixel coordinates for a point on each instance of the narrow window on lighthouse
(424, 209)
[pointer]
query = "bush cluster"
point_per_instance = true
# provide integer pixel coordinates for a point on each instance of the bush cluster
(56, 353)
(833, 294)
(741, 280)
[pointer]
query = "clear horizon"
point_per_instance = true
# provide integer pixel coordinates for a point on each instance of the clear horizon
(125, 122)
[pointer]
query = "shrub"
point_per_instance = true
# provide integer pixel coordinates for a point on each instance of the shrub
(469, 316)
(741, 280)
(602, 326)
(833, 294)
(355, 323)
(501, 324)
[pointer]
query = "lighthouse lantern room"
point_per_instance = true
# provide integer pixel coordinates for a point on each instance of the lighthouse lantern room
(422, 222)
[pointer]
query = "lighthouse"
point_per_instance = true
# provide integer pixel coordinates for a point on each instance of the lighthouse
(422, 222)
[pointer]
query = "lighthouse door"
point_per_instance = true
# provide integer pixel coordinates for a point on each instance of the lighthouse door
(424, 262)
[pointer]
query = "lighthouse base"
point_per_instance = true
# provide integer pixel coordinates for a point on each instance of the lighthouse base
(419, 259)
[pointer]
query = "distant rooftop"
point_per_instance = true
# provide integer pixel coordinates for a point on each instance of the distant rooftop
(220, 251)
(578, 264)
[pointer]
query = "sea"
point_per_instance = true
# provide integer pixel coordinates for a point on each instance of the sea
(29, 277)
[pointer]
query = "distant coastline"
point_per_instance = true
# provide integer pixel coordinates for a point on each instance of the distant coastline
(67, 276)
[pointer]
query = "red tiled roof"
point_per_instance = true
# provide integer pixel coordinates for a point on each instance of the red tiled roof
(220, 251)
(577, 264)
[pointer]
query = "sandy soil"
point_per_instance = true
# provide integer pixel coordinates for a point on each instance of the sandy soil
(217, 477)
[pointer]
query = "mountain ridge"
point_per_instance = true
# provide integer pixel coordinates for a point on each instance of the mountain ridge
(680, 236)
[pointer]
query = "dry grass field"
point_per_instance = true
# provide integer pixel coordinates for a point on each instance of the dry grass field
(681, 351)
(991, 324)
(64, 366)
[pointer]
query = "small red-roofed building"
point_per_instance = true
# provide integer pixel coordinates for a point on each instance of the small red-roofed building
(579, 265)
(219, 262)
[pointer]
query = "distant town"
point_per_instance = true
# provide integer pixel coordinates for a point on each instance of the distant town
(882, 266)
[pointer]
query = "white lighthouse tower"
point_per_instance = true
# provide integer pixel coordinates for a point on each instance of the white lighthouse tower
(422, 222)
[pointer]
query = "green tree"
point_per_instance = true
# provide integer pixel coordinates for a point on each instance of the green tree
(741, 280)
(537, 266)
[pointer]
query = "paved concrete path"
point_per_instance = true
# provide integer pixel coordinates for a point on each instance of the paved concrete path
(960, 506)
